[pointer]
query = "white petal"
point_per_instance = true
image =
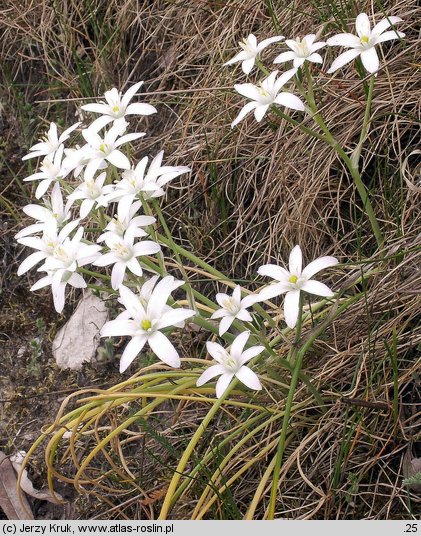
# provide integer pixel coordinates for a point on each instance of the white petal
(266, 42)
(291, 307)
(145, 247)
(249, 378)
(135, 268)
(174, 316)
(384, 24)
(222, 383)
(141, 108)
(100, 123)
(317, 265)
(209, 373)
(159, 297)
(247, 65)
(249, 300)
(244, 315)
(225, 324)
(370, 60)
(118, 159)
(274, 271)
(238, 344)
(241, 56)
(77, 281)
(216, 351)
(344, 40)
(284, 78)
(260, 111)
(362, 25)
(250, 353)
(315, 58)
(129, 137)
(95, 108)
(220, 313)
(133, 348)
(248, 90)
(118, 328)
(295, 261)
(273, 290)
(59, 297)
(164, 349)
(317, 288)
(298, 62)
(243, 112)
(130, 93)
(343, 59)
(41, 283)
(290, 101)
(285, 56)
(389, 36)
(31, 261)
(131, 302)
(117, 274)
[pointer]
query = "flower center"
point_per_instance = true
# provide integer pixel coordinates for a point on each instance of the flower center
(303, 48)
(293, 279)
(231, 306)
(103, 148)
(231, 363)
(364, 39)
(146, 324)
(122, 251)
(116, 109)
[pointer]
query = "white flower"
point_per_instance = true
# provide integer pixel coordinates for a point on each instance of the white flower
(295, 280)
(136, 181)
(106, 148)
(233, 307)
(45, 245)
(77, 158)
(118, 226)
(51, 171)
(50, 143)
(117, 107)
(145, 324)
(265, 94)
(250, 50)
(364, 43)
(301, 50)
(232, 364)
(61, 267)
(93, 193)
(54, 210)
(123, 255)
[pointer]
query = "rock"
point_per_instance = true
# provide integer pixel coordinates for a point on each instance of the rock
(78, 340)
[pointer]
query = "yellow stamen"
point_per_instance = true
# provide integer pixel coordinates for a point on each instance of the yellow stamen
(293, 279)
(364, 39)
(146, 324)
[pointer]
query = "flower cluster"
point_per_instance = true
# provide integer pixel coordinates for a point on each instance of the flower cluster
(93, 216)
(268, 92)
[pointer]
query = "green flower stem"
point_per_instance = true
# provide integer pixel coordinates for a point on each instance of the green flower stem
(189, 450)
(154, 234)
(173, 246)
(355, 157)
(351, 163)
(292, 358)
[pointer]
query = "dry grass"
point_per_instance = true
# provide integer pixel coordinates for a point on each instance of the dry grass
(254, 193)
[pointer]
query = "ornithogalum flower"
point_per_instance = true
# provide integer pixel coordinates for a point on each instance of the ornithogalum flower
(54, 209)
(149, 184)
(232, 363)
(123, 254)
(51, 170)
(250, 50)
(116, 107)
(50, 143)
(61, 267)
(302, 50)
(106, 149)
(268, 92)
(363, 44)
(295, 280)
(93, 192)
(118, 226)
(45, 246)
(144, 323)
(233, 307)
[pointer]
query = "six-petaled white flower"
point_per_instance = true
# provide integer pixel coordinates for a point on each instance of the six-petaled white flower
(268, 92)
(233, 307)
(61, 267)
(145, 323)
(149, 184)
(123, 254)
(50, 143)
(118, 226)
(54, 209)
(250, 50)
(295, 280)
(101, 149)
(232, 363)
(116, 107)
(363, 44)
(93, 193)
(51, 170)
(302, 50)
